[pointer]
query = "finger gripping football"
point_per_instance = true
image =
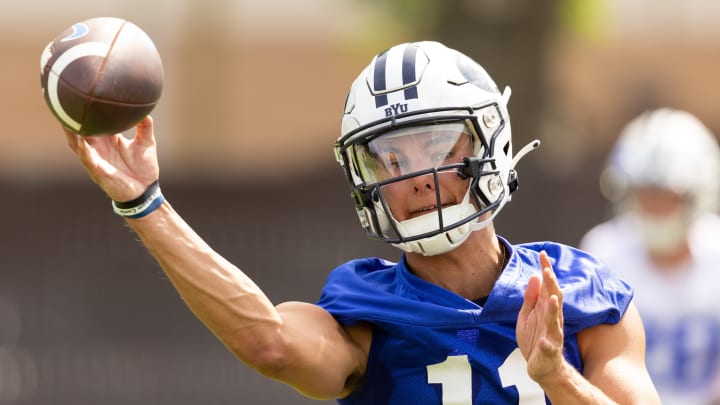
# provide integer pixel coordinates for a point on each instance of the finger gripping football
(101, 76)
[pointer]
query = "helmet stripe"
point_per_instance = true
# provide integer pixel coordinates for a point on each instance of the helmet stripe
(379, 80)
(408, 71)
(404, 61)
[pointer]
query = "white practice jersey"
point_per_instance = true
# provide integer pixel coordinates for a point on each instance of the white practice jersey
(680, 308)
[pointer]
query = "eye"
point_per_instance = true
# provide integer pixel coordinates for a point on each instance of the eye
(396, 162)
(442, 157)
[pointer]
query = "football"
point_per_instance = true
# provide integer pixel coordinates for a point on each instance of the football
(101, 76)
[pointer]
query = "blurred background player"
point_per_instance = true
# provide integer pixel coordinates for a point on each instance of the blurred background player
(662, 178)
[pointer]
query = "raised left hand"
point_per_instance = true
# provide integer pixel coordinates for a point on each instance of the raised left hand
(539, 330)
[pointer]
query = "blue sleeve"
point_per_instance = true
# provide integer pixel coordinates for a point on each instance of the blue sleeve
(357, 288)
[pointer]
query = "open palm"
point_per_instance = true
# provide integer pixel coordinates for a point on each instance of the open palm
(539, 328)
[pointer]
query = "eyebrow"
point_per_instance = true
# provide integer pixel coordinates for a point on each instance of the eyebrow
(446, 138)
(385, 150)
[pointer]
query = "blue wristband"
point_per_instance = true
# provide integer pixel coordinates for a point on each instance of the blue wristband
(148, 202)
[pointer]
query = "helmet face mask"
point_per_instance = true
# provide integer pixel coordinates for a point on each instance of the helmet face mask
(426, 164)
(426, 147)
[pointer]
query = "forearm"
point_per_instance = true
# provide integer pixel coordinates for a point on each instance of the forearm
(569, 387)
(226, 300)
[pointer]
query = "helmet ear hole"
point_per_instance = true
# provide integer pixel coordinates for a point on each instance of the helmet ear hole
(375, 196)
(506, 149)
(513, 181)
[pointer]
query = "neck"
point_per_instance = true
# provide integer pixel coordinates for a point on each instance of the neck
(470, 270)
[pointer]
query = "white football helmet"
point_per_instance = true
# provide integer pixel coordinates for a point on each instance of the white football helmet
(667, 149)
(447, 106)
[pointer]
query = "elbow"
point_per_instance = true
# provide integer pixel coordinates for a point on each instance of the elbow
(269, 358)
(273, 362)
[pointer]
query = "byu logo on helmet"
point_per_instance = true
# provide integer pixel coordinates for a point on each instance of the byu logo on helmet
(399, 68)
(396, 109)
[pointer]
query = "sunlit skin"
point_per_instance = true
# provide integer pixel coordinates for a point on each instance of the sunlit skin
(303, 346)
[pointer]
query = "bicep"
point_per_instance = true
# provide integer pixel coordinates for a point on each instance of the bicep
(614, 360)
(321, 356)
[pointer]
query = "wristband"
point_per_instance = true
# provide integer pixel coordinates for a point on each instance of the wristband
(148, 202)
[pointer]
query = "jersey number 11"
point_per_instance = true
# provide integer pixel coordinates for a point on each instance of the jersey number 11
(455, 376)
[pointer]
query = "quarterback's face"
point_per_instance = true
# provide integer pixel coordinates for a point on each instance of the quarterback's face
(418, 195)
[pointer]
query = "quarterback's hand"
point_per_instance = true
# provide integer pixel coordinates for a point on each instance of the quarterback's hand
(122, 167)
(539, 329)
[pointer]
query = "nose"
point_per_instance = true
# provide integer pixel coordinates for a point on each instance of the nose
(425, 182)
(427, 186)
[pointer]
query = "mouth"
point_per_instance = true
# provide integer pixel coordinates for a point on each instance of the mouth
(426, 210)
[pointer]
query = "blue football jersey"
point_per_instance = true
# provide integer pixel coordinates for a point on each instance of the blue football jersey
(431, 346)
